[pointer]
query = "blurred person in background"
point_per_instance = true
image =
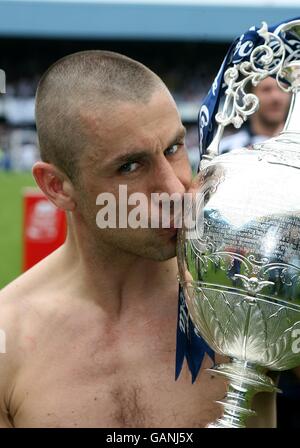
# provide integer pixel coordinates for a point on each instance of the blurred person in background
(23, 149)
(28, 156)
(267, 122)
(5, 156)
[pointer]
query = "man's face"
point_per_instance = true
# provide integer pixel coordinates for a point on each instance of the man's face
(274, 102)
(140, 146)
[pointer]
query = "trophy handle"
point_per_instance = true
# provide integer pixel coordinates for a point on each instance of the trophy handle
(265, 60)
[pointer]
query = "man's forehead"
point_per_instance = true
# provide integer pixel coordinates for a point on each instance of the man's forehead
(99, 118)
(130, 123)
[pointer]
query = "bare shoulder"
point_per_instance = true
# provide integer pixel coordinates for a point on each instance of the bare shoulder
(10, 316)
(18, 304)
(10, 343)
(25, 302)
(25, 305)
(31, 288)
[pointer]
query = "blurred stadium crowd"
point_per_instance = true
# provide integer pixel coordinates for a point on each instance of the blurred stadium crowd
(187, 69)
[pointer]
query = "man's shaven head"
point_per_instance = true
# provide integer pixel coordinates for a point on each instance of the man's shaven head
(88, 79)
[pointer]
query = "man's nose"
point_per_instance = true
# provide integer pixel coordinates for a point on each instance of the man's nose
(170, 181)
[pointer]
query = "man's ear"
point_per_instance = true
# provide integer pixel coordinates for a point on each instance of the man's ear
(55, 185)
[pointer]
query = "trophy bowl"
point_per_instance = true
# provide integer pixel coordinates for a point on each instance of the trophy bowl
(239, 260)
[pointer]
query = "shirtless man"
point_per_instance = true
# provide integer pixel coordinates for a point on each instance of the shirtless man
(91, 330)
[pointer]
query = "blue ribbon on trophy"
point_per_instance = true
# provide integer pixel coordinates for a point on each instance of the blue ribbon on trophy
(190, 345)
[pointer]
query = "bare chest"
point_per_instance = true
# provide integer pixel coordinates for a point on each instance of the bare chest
(101, 383)
(142, 398)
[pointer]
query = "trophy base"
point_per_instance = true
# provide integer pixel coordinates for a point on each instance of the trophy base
(245, 380)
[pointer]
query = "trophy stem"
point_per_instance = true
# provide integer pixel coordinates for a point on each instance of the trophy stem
(245, 380)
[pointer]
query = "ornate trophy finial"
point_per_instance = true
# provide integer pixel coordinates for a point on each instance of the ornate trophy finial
(270, 58)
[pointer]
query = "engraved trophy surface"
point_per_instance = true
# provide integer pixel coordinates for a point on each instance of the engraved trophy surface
(239, 252)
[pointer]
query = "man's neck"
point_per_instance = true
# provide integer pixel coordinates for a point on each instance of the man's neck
(118, 281)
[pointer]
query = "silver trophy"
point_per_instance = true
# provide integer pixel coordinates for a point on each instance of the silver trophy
(239, 251)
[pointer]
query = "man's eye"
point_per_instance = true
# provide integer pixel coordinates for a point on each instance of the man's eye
(129, 167)
(173, 149)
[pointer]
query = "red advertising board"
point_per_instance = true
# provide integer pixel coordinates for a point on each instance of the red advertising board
(44, 227)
